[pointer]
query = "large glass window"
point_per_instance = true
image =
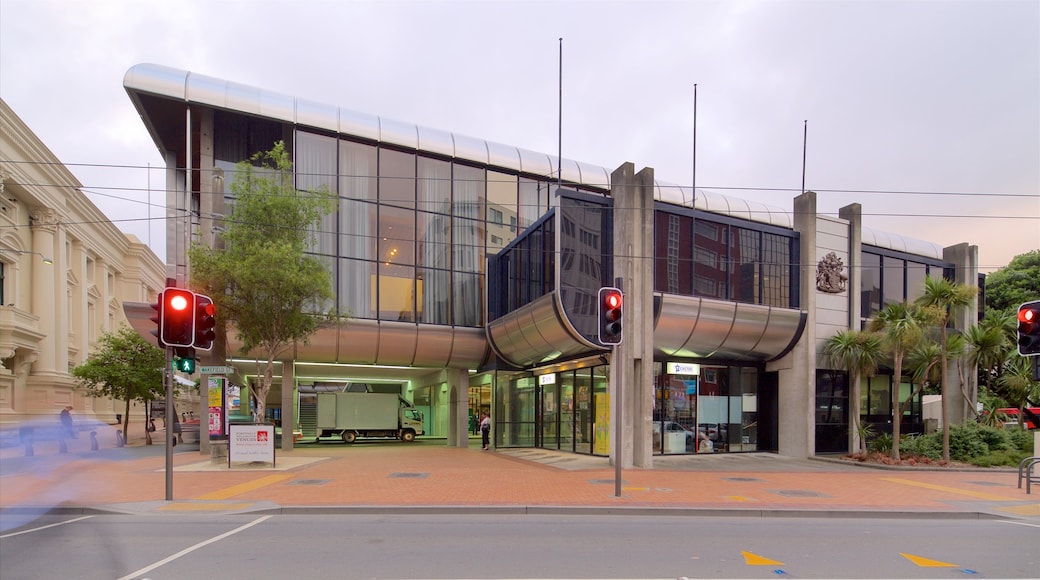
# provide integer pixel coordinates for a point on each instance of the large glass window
(533, 201)
(892, 281)
(698, 402)
(396, 251)
(316, 158)
(870, 285)
(502, 210)
(433, 185)
(397, 178)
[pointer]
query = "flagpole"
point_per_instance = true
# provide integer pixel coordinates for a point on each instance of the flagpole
(559, 144)
(805, 138)
(694, 186)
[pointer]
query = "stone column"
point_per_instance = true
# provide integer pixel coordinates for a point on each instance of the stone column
(48, 294)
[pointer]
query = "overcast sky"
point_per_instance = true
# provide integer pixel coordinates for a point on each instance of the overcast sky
(934, 97)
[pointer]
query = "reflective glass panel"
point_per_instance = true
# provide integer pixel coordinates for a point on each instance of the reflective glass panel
(396, 178)
(434, 186)
(502, 215)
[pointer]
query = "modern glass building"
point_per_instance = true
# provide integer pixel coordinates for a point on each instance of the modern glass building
(467, 274)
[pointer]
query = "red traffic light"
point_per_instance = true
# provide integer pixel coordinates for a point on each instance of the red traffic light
(177, 318)
(204, 322)
(611, 303)
(1029, 329)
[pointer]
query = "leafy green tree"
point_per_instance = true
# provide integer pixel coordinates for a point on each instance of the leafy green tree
(858, 353)
(902, 326)
(124, 366)
(1015, 283)
(262, 281)
(1018, 385)
(943, 297)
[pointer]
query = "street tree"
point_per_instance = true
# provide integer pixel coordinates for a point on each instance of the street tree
(262, 281)
(124, 366)
(943, 297)
(1015, 283)
(902, 326)
(859, 353)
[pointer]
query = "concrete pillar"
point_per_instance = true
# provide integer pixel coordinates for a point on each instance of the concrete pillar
(797, 389)
(288, 403)
(965, 258)
(632, 362)
(853, 213)
(458, 406)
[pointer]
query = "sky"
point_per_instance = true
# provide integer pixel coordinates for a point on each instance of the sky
(926, 113)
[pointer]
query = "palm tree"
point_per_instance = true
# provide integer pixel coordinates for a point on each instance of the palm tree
(902, 327)
(859, 353)
(943, 297)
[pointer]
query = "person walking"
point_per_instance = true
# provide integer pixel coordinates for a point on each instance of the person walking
(66, 422)
(485, 430)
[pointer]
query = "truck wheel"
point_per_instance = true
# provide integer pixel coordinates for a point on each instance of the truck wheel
(349, 436)
(408, 436)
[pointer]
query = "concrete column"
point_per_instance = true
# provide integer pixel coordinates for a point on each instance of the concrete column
(853, 213)
(458, 402)
(632, 361)
(961, 408)
(797, 388)
(288, 403)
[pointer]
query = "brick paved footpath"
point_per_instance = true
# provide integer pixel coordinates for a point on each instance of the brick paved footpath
(428, 476)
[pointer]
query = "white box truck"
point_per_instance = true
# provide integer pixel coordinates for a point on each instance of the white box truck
(353, 415)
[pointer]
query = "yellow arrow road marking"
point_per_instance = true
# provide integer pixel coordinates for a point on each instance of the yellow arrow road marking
(756, 560)
(234, 490)
(738, 498)
(966, 492)
(927, 563)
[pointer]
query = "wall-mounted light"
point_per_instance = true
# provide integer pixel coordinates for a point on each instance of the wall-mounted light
(45, 259)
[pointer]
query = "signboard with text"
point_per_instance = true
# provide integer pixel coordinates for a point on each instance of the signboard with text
(251, 443)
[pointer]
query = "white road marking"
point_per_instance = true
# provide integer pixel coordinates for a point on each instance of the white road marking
(190, 549)
(43, 527)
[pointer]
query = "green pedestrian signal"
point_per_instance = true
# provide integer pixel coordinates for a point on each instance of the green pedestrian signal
(185, 365)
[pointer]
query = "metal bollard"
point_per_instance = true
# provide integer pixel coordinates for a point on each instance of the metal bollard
(120, 442)
(63, 447)
(93, 441)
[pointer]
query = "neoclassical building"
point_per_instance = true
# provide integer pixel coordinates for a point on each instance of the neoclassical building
(467, 273)
(65, 272)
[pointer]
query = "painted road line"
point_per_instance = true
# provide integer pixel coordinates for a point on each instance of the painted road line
(955, 490)
(739, 498)
(1031, 509)
(191, 549)
(926, 562)
(201, 507)
(229, 492)
(12, 534)
(756, 560)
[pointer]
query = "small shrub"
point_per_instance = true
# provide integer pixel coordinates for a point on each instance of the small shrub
(881, 444)
(928, 446)
(1021, 440)
(966, 441)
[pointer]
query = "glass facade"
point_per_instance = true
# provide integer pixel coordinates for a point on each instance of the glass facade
(705, 408)
(724, 258)
(890, 277)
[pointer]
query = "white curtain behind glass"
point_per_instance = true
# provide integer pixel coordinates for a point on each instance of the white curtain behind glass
(357, 172)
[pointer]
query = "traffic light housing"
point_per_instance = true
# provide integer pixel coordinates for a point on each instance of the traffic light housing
(611, 314)
(157, 319)
(205, 311)
(177, 318)
(1029, 328)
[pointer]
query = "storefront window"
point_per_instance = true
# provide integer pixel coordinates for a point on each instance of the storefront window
(694, 402)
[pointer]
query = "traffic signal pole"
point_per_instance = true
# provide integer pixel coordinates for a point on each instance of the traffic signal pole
(168, 382)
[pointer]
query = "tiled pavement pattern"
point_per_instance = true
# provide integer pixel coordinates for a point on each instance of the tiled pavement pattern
(428, 476)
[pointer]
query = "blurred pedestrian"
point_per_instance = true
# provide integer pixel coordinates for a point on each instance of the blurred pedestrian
(66, 422)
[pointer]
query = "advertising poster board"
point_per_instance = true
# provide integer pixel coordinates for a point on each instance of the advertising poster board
(251, 444)
(215, 402)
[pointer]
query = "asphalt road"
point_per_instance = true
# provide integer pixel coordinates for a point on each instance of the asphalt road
(510, 546)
